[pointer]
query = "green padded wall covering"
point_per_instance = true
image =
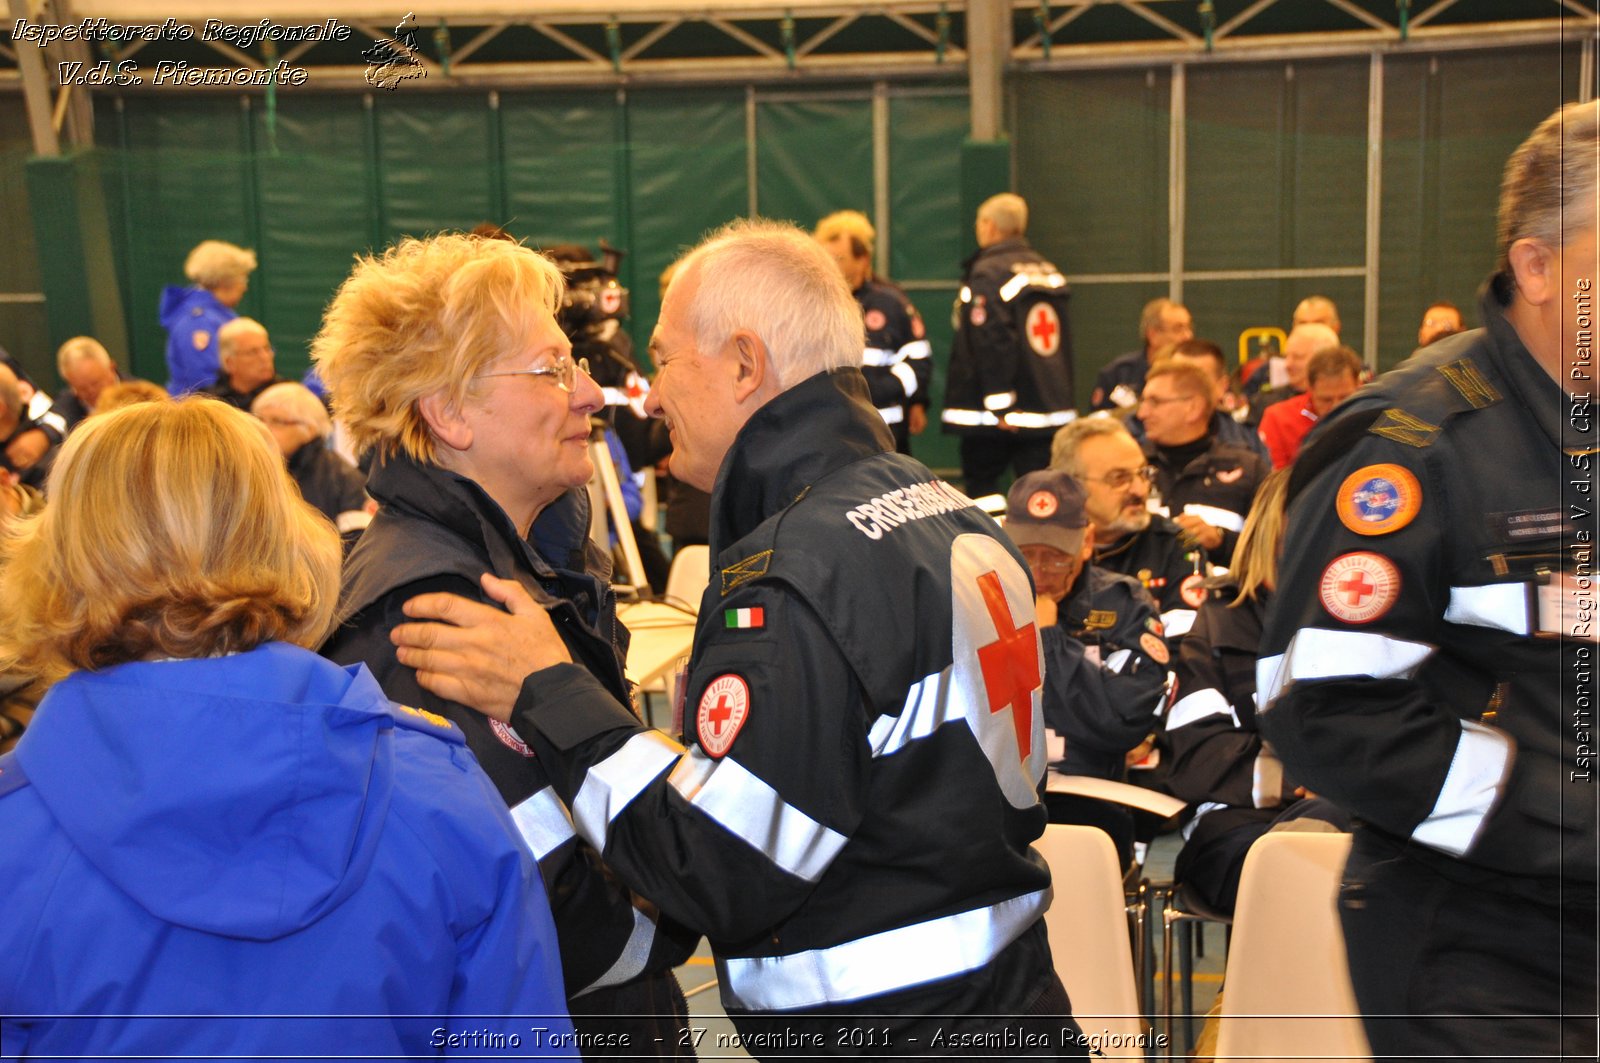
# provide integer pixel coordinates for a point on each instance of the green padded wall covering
(813, 157)
(75, 261)
(1073, 132)
(1450, 122)
(686, 175)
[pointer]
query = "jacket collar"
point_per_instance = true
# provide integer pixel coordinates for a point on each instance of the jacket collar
(435, 494)
(1515, 365)
(816, 427)
(1006, 246)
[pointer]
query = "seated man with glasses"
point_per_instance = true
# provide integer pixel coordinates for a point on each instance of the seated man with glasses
(245, 352)
(1206, 484)
(1105, 659)
(1100, 454)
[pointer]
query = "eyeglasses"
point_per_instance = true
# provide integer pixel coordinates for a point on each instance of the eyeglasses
(1117, 479)
(1155, 400)
(1055, 568)
(564, 374)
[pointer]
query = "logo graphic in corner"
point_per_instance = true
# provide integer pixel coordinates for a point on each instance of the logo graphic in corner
(1043, 329)
(392, 60)
(509, 738)
(1378, 499)
(1042, 504)
(724, 706)
(1359, 587)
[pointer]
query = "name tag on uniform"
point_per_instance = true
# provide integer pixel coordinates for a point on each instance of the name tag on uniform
(1565, 606)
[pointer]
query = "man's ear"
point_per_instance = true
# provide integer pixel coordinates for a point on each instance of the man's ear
(1086, 554)
(1534, 267)
(444, 420)
(753, 370)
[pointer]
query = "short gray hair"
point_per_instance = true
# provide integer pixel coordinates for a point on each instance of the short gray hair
(1069, 438)
(298, 402)
(1008, 212)
(1549, 185)
(1150, 316)
(226, 334)
(775, 280)
(81, 349)
(214, 263)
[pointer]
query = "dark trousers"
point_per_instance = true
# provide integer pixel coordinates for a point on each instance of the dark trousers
(1448, 963)
(984, 459)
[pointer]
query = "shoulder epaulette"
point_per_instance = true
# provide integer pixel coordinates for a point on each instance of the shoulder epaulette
(743, 571)
(1470, 383)
(413, 719)
(1402, 427)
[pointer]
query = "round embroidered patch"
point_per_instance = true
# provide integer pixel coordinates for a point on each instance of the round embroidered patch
(1359, 587)
(1378, 499)
(875, 320)
(1042, 504)
(509, 738)
(1043, 329)
(1154, 648)
(1193, 590)
(724, 706)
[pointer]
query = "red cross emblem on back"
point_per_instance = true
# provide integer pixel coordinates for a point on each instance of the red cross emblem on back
(1011, 664)
(1043, 329)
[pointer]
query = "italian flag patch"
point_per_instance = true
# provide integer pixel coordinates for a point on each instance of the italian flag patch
(744, 618)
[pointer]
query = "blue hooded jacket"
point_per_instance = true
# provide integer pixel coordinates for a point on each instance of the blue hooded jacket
(191, 317)
(260, 856)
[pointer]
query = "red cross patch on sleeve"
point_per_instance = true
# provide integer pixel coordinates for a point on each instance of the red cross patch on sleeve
(1359, 587)
(724, 707)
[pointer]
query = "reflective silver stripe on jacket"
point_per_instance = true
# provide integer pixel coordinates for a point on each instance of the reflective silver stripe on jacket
(879, 357)
(635, 954)
(891, 414)
(986, 419)
(917, 349)
(879, 963)
(612, 784)
(1198, 706)
(543, 822)
(1177, 622)
(907, 377)
(753, 811)
(1266, 780)
(1478, 769)
(1000, 400)
(1320, 653)
(1502, 606)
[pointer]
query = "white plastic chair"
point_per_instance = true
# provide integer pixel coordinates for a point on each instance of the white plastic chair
(1287, 993)
(688, 577)
(1088, 927)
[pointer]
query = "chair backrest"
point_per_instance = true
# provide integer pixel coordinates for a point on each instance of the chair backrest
(1088, 927)
(689, 575)
(1287, 993)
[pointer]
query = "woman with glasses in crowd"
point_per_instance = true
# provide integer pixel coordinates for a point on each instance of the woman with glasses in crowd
(445, 357)
(215, 843)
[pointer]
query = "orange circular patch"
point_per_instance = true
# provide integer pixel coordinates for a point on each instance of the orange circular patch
(1379, 499)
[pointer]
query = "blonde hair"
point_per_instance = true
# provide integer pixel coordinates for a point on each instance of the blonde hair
(214, 263)
(127, 393)
(296, 400)
(1255, 556)
(848, 223)
(423, 317)
(778, 282)
(215, 551)
(81, 349)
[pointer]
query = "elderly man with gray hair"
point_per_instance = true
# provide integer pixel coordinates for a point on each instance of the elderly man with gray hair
(88, 369)
(1427, 662)
(248, 364)
(300, 425)
(1011, 371)
(849, 823)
